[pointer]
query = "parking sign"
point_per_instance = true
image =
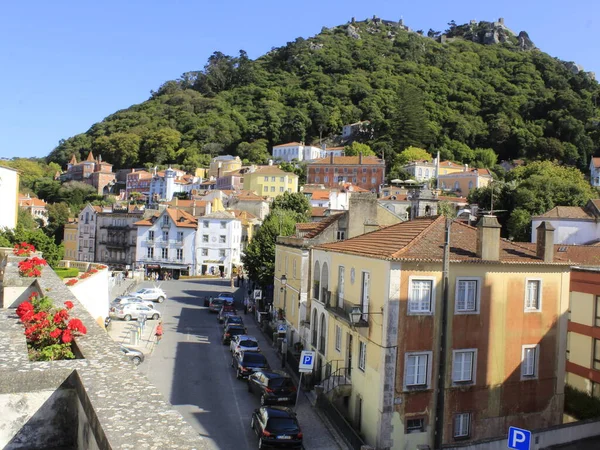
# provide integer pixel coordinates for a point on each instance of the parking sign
(519, 439)
(307, 361)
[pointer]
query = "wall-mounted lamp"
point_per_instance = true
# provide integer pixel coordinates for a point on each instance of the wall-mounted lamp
(283, 283)
(356, 314)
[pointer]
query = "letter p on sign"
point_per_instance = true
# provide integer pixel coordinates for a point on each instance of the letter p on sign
(519, 439)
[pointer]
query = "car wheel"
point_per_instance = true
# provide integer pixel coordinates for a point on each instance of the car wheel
(136, 360)
(161, 299)
(127, 318)
(262, 400)
(155, 317)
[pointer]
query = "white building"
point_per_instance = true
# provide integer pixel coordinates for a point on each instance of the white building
(296, 150)
(86, 233)
(218, 243)
(595, 171)
(573, 225)
(164, 185)
(356, 128)
(166, 241)
(9, 197)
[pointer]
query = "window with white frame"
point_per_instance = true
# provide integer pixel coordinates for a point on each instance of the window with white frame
(420, 299)
(362, 355)
(205, 238)
(462, 425)
(222, 239)
(150, 252)
(463, 366)
(165, 236)
(179, 254)
(365, 295)
(417, 370)
(223, 224)
(529, 361)
(165, 253)
(533, 295)
(341, 280)
(338, 338)
(467, 296)
(221, 253)
(204, 252)
(180, 236)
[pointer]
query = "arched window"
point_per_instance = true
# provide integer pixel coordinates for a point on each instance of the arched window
(322, 333)
(426, 173)
(325, 294)
(456, 186)
(314, 324)
(420, 172)
(471, 184)
(316, 280)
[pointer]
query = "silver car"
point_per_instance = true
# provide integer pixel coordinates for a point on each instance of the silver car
(243, 343)
(130, 311)
(128, 299)
(152, 294)
(134, 355)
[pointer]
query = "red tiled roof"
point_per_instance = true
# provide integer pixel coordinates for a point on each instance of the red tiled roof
(312, 230)
(331, 149)
(398, 197)
(596, 162)
(566, 212)
(179, 217)
(320, 195)
(422, 239)
(249, 196)
(288, 144)
(584, 255)
(271, 170)
(349, 160)
(240, 214)
(318, 211)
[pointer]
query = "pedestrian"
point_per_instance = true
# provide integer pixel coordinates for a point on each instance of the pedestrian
(159, 332)
(246, 301)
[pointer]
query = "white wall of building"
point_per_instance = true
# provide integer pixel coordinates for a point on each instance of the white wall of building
(86, 234)
(9, 192)
(298, 152)
(92, 293)
(211, 251)
(594, 174)
(569, 231)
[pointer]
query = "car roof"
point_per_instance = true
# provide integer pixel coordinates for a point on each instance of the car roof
(235, 325)
(274, 374)
(279, 411)
(246, 337)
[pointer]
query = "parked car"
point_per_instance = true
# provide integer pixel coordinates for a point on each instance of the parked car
(274, 387)
(216, 304)
(231, 319)
(128, 299)
(246, 363)
(226, 310)
(152, 294)
(276, 427)
(134, 355)
(232, 330)
(243, 343)
(130, 311)
(227, 296)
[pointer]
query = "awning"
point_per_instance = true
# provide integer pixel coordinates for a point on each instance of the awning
(175, 266)
(152, 266)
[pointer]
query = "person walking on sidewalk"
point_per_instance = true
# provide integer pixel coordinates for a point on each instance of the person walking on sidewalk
(159, 332)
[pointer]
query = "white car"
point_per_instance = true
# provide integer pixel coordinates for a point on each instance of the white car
(126, 299)
(152, 294)
(243, 343)
(130, 311)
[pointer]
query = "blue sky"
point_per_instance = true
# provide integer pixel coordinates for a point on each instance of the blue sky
(65, 65)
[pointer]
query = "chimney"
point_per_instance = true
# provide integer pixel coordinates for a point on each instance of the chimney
(330, 157)
(360, 158)
(466, 167)
(544, 247)
(488, 238)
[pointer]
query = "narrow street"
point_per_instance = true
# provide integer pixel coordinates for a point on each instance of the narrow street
(192, 369)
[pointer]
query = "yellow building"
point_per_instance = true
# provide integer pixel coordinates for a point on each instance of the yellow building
(70, 240)
(270, 181)
(464, 181)
(376, 317)
(223, 164)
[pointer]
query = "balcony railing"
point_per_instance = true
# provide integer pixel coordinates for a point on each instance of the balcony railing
(158, 259)
(150, 241)
(342, 308)
(179, 243)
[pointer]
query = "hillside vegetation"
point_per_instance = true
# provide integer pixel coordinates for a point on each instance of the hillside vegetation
(460, 97)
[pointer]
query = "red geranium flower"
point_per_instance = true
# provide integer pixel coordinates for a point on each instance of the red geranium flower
(23, 308)
(69, 304)
(66, 336)
(55, 334)
(77, 325)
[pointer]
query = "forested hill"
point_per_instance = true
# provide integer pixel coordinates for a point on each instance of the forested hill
(478, 87)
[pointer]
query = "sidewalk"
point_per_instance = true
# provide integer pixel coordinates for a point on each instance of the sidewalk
(317, 434)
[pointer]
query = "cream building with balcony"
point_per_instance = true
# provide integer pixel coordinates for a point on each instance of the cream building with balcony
(165, 242)
(218, 244)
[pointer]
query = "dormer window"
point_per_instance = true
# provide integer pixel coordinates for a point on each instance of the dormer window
(165, 220)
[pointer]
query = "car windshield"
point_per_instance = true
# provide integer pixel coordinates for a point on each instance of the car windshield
(286, 424)
(234, 319)
(282, 382)
(235, 331)
(254, 359)
(249, 344)
(217, 301)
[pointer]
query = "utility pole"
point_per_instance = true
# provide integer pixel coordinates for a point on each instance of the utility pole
(441, 381)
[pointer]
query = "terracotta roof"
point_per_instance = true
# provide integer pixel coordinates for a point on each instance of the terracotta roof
(452, 199)
(32, 202)
(96, 208)
(320, 195)
(566, 212)
(596, 203)
(398, 197)
(596, 162)
(313, 229)
(73, 159)
(288, 144)
(331, 149)
(310, 188)
(248, 196)
(220, 215)
(179, 217)
(240, 214)
(422, 239)
(584, 255)
(450, 164)
(478, 172)
(352, 188)
(318, 211)
(349, 160)
(271, 170)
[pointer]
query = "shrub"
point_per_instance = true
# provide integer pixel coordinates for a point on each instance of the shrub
(581, 405)
(64, 272)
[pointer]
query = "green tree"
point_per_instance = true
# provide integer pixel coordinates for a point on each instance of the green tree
(409, 122)
(254, 152)
(356, 148)
(412, 154)
(295, 202)
(122, 149)
(160, 146)
(75, 193)
(26, 220)
(58, 216)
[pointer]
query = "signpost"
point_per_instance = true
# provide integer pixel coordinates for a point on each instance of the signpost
(519, 439)
(307, 363)
(257, 294)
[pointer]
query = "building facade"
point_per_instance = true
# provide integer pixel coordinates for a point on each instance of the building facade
(70, 240)
(574, 225)
(35, 207)
(165, 242)
(296, 151)
(270, 181)
(595, 172)
(223, 164)
(9, 197)
(465, 181)
(505, 327)
(366, 172)
(116, 236)
(218, 244)
(86, 233)
(92, 171)
(138, 181)
(248, 201)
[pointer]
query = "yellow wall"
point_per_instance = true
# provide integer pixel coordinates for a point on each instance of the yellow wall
(256, 182)
(284, 265)
(583, 384)
(581, 348)
(447, 170)
(463, 182)
(70, 242)
(582, 308)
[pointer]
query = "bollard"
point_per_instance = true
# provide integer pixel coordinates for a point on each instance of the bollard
(133, 338)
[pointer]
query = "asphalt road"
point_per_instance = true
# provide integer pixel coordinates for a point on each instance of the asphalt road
(191, 367)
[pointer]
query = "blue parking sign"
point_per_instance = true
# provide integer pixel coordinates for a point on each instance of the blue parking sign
(519, 439)
(307, 361)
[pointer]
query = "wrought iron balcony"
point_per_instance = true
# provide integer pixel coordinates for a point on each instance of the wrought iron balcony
(342, 309)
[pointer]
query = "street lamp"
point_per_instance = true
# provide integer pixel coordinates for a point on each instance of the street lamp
(356, 314)
(284, 290)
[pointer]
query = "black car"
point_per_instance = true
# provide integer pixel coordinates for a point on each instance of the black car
(274, 388)
(231, 320)
(232, 330)
(276, 427)
(246, 363)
